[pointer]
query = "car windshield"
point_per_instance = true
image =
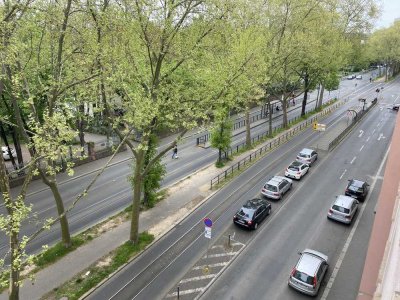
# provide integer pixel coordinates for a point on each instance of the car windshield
(341, 209)
(293, 168)
(271, 188)
(303, 277)
(304, 155)
(246, 213)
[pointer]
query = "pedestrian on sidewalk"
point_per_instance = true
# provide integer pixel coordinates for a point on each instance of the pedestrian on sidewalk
(175, 152)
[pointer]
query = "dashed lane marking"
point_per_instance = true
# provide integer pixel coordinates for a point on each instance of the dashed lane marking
(350, 237)
(368, 138)
(361, 148)
(344, 172)
(354, 158)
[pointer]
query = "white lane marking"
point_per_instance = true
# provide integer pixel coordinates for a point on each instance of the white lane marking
(219, 255)
(381, 137)
(185, 292)
(211, 266)
(354, 158)
(361, 148)
(350, 237)
(344, 172)
(373, 131)
(197, 278)
(361, 133)
(368, 138)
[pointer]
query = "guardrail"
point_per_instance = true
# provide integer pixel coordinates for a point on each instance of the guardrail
(274, 143)
(101, 149)
(256, 116)
(358, 117)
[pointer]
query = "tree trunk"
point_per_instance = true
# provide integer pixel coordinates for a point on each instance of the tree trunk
(269, 119)
(321, 96)
(137, 190)
(17, 145)
(65, 234)
(247, 120)
(284, 112)
(13, 288)
(303, 104)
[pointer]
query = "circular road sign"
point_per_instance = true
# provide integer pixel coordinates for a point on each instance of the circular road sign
(208, 222)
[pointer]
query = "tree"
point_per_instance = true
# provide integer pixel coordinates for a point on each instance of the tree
(221, 134)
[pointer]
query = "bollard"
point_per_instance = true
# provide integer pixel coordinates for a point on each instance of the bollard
(178, 291)
(229, 240)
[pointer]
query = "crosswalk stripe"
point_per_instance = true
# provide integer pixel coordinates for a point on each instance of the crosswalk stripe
(211, 265)
(198, 278)
(184, 292)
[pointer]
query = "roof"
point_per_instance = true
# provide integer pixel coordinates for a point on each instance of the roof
(357, 183)
(309, 261)
(306, 151)
(344, 201)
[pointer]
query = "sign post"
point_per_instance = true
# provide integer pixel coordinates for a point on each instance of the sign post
(207, 233)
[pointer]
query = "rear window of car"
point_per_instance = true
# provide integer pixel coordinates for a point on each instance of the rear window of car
(293, 168)
(303, 277)
(271, 188)
(341, 209)
(304, 155)
(248, 213)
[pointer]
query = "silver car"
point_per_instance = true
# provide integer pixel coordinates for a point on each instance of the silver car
(343, 209)
(307, 275)
(276, 187)
(307, 156)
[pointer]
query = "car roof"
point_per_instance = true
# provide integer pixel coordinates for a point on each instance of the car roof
(309, 263)
(253, 203)
(296, 163)
(306, 151)
(357, 183)
(344, 201)
(276, 180)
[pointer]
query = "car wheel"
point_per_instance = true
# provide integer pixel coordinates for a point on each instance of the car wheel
(255, 226)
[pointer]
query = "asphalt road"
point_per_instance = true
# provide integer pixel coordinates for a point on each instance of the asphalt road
(263, 259)
(112, 192)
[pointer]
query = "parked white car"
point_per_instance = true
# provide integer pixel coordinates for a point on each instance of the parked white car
(297, 169)
(6, 155)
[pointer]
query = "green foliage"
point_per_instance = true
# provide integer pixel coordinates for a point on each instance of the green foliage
(221, 133)
(157, 171)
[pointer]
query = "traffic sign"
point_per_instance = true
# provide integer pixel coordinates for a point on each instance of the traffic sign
(314, 125)
(207, 232)
(208, 222)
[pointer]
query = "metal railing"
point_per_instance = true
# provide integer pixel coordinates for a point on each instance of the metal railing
(99, 147)
(272, 144)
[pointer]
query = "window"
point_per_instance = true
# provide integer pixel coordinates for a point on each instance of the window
(341, 209)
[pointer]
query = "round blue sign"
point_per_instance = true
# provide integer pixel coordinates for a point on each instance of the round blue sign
(207, 222)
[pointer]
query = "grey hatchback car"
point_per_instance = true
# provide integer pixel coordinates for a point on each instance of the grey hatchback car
(343, 209)
(307, 275)
(307, 156)
(276, 187)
